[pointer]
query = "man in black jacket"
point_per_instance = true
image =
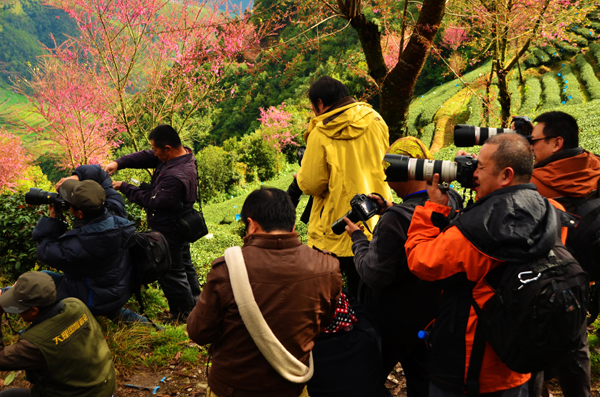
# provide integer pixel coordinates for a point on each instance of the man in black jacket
(94, 255)
(173, 189)
(401, 304)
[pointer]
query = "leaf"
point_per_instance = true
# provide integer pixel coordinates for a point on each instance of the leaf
(8, 380)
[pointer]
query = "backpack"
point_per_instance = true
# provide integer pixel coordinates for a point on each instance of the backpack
(151, 259)
(535, 316)
(584, 240)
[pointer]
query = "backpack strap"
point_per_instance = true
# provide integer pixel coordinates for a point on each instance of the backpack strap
(476, 360)
(288, 366)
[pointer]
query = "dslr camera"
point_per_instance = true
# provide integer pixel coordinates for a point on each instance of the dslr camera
(363, 208)
(37, 196)
(469, 135)
(404, 168)
(294, 190)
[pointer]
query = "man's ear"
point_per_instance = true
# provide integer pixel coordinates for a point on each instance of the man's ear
(558, 144)
(508, 175)
(253, 227)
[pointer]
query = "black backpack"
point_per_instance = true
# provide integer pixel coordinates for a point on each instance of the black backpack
(584, 240)
(535, 316)
(151, 259)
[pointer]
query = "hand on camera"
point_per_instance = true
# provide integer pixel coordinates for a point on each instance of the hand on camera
(59, 184)
(53, 213)
(465, 153)
(352, 227)
(435, 194)
(380, 202)
(111, 168)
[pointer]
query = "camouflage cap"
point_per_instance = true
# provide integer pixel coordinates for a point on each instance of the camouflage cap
(32, 289)
(86, 195)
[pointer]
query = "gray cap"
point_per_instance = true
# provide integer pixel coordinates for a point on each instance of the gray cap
(86, 195)
(32, 289)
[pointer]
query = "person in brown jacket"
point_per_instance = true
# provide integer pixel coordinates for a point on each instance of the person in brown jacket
(565, 172)
(296, 288)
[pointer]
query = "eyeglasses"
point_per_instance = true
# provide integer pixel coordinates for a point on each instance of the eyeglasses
(532, 141)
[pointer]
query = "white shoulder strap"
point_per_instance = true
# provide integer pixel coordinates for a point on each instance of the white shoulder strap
(276, 354)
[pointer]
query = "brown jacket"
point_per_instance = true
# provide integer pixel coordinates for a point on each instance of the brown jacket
(297, 289)
(571, 172)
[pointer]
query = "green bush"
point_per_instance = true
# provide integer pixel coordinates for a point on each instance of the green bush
(475, 109)
(427, 136)
(531, 96)
(581, 41)
(565, 47)
(17, 221)
(570, 86)
(585, 33)
(218, 171)
(552, 52)
(551, 91)
(595, 26)
(532, 61)
(595, 50)
(588, 76)
(515, 94)
(260, 157)
(544, 58)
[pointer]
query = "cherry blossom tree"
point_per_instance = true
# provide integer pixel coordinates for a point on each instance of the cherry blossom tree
(505, 29)
(14, 161)
(276, 127)
(136, 64)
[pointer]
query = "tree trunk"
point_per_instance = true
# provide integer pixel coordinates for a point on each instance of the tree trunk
(504, 96)
(397, 86)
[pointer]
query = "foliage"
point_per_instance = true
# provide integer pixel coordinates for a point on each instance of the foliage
(259, 156)
(566, 47)
(17, 249)
(13, 160)
(551, 51)
(276, 127)
(551, 92)
(531, 96)
(544, 58)
(588, 76)
(570, 91)
(515, 95)
(219, 172)
(475, 109)
(595, 50)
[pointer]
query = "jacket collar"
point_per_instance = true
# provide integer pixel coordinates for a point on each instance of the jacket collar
(563, 154)
(177, 161)
(504, 190)
(272, 241)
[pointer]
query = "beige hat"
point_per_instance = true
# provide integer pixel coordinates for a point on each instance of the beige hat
(32, 289)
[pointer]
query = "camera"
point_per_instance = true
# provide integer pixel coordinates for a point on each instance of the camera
(294, 190)
(37, 196)
(470, 135)
(363, 208)
(404, 168)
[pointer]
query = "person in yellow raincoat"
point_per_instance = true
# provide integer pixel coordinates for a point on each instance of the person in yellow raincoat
(345, 145)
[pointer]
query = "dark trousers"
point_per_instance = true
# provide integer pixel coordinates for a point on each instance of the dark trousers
(519, 391)
(180, 284)
(352, 277)
(15, 393)
(573, 371)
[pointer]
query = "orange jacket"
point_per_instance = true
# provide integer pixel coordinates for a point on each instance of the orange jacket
(563, 175)
(483, 236)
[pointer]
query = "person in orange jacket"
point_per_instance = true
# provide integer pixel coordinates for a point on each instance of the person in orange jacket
(510, 219)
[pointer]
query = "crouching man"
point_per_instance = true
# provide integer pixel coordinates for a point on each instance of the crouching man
(296, 289)
(63, 350)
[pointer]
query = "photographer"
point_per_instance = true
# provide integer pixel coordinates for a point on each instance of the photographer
(63, 351)
(400, 303)
(345, 143)
(94, 255)
(173, 189)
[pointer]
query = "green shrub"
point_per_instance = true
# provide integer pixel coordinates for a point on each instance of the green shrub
(588, 76)
(258, 155)
(565, 47)
(544, 58)
(551, 92)
(532, 61)
(581, 41)
(515, 94)
(552, 52)
(570, 86)
(585, 33)
(427, 136)
(17, 221)
(595, 50)
(475, 109)
(218, 171)
(531, 96)
(595, 26)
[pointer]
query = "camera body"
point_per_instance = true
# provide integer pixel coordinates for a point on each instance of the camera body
(404, 168)
(37, 196)
(294, 190)
(362, 209)
(469, 135)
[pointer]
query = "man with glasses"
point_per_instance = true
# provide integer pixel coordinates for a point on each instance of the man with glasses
(566, 172)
